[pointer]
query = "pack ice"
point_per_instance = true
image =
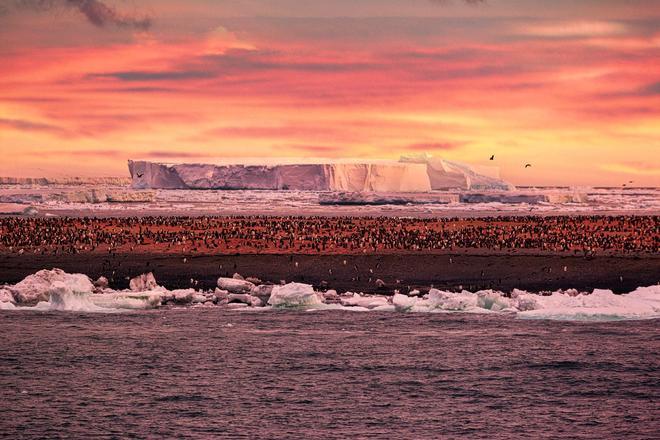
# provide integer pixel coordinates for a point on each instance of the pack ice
(56, 290)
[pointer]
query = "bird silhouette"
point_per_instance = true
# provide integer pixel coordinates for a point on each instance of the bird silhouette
(140, 175)
(492, 157)
(529, 165)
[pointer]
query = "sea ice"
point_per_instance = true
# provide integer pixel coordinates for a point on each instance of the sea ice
(57, 290)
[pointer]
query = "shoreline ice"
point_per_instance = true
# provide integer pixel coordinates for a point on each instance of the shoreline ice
(56, 290)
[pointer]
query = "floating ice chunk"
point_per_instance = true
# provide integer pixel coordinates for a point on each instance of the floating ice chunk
(384, 308)
(198, 298)
(369, 302)
(493, 301)
(64, 299)
(35, 288)
(294, 295)
(101, 283)
(233, 285)
(331, 296)
(463, 301)
(600, 305)
(7, 306)
(127, 300)
(6, 296)
(263, 292)
(244, 298)
(237, 305)
(179, 296)
(403, 303)
(143, 283)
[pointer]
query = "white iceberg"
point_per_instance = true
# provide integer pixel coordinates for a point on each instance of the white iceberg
(410, 174)
(37, 287)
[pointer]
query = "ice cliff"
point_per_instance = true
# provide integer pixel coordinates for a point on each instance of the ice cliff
(410, 174)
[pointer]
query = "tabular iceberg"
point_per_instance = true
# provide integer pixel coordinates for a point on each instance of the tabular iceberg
(418, 174)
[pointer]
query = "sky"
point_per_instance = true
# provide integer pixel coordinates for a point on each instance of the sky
(572, 87)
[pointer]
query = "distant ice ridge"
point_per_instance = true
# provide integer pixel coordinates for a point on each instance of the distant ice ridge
(92, 195)
(65, 181)
(56, 290)
(410, 174)
(442, 198)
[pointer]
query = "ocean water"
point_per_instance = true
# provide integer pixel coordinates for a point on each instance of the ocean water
(214, 373)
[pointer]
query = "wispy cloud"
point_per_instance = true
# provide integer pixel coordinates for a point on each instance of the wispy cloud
(572, 29)
(24, 125)
(316, 149)
(173, 154)
(140, 75)
(469, 2)
(634, 168)
(652, 89)
(434, 146)
(97, 12)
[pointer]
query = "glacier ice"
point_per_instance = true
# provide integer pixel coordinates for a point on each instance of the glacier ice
(410, 174)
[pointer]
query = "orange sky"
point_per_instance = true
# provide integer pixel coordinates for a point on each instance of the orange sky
(575, 90)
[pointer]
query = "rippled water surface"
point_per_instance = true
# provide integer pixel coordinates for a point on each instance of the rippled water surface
(210, 373)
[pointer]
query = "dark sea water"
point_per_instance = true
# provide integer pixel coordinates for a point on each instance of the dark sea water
(208, 373)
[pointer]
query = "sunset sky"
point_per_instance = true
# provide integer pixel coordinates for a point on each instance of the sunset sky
(572, 87)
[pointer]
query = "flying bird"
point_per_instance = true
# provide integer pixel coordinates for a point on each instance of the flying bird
(492, 157)
(529, 165)
(140, 175)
